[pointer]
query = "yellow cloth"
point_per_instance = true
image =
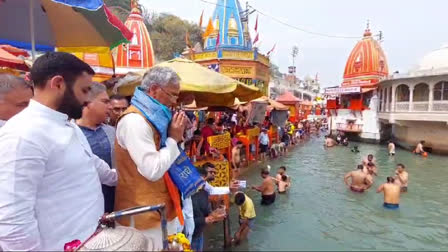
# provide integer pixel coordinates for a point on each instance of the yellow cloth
(291, 130)
(247, 209)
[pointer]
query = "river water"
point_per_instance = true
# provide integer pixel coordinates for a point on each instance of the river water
(320, 213)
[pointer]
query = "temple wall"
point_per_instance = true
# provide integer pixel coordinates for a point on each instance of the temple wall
(408, 133)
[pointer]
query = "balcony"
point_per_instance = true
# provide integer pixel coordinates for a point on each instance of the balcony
(436, 111)
(349, 127)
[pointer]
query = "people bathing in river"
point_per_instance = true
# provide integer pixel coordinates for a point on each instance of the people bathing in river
(371, 169)
(401, 177)
(391, 148)
(368, 159)
(391, 193)
(355, 149)
(329, 141)
(246, 217)
(267, 188)
(360, 181)
(284, 184)
(419, 149)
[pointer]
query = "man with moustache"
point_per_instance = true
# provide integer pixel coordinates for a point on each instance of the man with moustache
(50, 184)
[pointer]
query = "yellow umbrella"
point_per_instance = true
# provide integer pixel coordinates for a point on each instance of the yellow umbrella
(208, 87)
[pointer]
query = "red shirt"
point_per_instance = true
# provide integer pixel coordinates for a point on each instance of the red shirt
(206, 132)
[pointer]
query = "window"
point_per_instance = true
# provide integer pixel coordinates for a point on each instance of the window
(421, 92)
(233, 41)
(441, 91)
(402, 93)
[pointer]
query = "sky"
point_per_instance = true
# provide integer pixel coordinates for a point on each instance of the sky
(411, 29)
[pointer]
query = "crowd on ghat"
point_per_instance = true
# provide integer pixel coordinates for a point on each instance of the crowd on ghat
(70, 153)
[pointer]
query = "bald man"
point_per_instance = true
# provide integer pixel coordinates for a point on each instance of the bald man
(15, 94)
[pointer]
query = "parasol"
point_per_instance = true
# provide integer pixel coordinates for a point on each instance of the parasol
(45, 24)
(272, 103)
(10, 61)
(208, 87)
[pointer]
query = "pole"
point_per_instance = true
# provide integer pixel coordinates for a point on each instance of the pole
(33, 42)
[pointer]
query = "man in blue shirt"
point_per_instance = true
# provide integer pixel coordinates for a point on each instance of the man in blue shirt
(101, 137)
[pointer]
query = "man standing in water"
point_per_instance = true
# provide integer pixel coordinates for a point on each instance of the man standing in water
(401, 177)
(360, 181)
(369, 159)
(391, 194)
(391, 148)
(419, 149)
(267, 188)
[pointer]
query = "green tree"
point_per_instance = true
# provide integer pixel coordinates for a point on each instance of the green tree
(168, 35)
(274, 70)
(167, 31)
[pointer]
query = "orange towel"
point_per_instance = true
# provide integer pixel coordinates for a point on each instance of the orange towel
(175, 197)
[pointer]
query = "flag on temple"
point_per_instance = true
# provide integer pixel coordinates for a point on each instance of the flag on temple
(217, 40)
(209, 29)
(256, 24)
(256, 38)
(187, 40)
(200, 19)
(272, 50)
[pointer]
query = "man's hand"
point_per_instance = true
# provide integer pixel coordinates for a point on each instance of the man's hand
(209, 219)
(177, 126)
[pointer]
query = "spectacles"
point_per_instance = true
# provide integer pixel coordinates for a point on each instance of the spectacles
(172, 96)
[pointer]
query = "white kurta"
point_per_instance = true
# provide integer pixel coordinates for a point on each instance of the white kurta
(2, 122)
(136, 136)
(50, 188)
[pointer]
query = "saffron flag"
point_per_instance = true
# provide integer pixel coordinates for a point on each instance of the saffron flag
(256, 39)
(200, 19)
(256, 24)
(272, 50)
(209, 29)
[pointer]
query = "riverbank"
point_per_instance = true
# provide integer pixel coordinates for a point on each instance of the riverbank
(319, 213)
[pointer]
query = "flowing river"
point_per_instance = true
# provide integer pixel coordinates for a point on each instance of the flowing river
(320, 213)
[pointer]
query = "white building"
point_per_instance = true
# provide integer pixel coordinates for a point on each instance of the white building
(414, 106)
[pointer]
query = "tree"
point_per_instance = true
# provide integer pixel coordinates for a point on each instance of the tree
(274, 70)
(168, 35)
(167, 31)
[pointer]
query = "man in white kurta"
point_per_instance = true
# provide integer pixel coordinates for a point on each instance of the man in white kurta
(50, 184)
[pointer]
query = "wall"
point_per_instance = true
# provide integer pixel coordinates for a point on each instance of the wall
(409, 133)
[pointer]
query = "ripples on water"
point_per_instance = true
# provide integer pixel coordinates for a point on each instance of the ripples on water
(320, 213)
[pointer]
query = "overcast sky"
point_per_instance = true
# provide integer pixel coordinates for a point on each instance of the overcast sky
(411, 29)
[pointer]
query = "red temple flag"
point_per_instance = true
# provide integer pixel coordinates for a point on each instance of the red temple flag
(272, 50)
(256, 39)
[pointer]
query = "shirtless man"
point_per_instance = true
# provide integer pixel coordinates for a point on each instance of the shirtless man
(419, 148)
(329, 142)
(391, 147)
(360, 181)
(401, 177)
(284, 184)
(369, 158)
(267, 188)
(391, 194)
(236, 159)
(371, 169)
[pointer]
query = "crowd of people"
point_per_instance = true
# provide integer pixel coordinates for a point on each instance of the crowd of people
(360, 180)
(71, 153)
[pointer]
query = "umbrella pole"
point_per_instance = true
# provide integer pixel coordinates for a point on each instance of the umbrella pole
(33, 42)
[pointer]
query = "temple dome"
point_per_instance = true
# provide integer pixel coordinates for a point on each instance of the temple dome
(367, 63)
(138, 54)
(435, 62)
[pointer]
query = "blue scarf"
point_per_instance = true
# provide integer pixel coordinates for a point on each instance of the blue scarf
(158, 114)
